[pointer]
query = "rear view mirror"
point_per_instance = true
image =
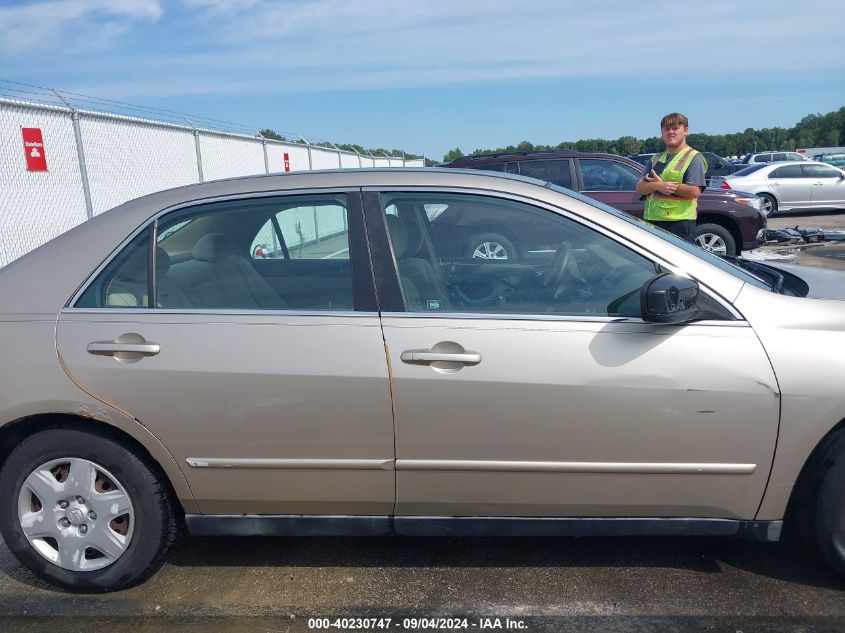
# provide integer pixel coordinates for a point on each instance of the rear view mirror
(667, 298)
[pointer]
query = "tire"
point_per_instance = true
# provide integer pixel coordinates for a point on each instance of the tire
(149, 527)
(495, 245)
(829, 516)
(769, 204)
(715, 238)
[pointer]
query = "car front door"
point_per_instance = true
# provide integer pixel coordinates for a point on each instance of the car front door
(827, 185)
(534, 388)
(611, 182)
(791, 185)
(260, 364)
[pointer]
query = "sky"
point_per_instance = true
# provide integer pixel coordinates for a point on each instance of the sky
(431, 75)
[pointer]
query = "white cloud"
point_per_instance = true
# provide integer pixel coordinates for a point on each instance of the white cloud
(53, 23)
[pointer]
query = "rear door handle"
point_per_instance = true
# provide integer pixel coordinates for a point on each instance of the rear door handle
(424, 356)
(110, 348)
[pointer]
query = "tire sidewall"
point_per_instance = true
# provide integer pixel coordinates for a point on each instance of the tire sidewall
(134, 476)
(830, 510)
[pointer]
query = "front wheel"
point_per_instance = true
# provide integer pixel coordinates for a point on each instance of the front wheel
(83, 512)
(830, 505)
(715, 238)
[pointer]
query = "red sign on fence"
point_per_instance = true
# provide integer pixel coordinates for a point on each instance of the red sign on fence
(33, 146)
(287, 161)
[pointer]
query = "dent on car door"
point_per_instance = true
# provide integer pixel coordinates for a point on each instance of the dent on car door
(532, 388)
(260, 366)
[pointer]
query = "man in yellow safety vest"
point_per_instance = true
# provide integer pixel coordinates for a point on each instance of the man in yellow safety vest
(673, 180)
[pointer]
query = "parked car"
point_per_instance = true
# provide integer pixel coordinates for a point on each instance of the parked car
(772, 157)
(837, 160)
(726, 224)
(157, 375)
(793, 186)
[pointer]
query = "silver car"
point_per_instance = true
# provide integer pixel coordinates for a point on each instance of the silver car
(298, 355)
(772, 157)
(790, 186)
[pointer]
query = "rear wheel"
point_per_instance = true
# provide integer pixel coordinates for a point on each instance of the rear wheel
(768, 204)
(489, 245)
(715, 238)
(81, 511)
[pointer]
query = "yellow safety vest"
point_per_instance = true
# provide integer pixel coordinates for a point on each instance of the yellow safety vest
(672, 208)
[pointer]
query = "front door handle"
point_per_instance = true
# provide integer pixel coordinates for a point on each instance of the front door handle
(109, 348)
(425, 357)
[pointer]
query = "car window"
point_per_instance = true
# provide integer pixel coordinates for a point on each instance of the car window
(779, 157)
(795, 156)
(787, 171)
(707, 256)
(488, 255)
(491, 167)
(607, 175)
(124, 282)
(283, 253)
(555, 171)
(747, 171)
(763, 158)
(821, 171)
(319, 231)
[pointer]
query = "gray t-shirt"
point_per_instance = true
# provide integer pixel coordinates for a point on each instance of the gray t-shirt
(694, 175)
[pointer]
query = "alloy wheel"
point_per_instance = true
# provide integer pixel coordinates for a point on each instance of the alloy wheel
(712, 242)
(490, 250)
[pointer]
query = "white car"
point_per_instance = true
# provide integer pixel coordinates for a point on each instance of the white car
(772, 157)
(789, 186)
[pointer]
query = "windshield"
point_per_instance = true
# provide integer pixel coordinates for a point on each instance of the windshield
(707, 256)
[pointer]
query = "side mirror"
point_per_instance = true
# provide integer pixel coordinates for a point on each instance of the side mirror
(667, 298)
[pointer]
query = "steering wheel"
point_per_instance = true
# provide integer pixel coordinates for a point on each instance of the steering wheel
(559, 267)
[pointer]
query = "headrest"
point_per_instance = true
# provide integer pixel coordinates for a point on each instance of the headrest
(162, 261)
(398, 235)
(212, 247)
(134, 269)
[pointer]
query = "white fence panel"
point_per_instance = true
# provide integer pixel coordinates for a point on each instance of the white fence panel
(367, 161)
(297, 155)
(128, 159)
(324, 158)
(349, 161)
(382, 161)
(35, 207)
(414, 162)
(227, 157)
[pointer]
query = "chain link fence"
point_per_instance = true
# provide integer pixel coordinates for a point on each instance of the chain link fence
(97, 160)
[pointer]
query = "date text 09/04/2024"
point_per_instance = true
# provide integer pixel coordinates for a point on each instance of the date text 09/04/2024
(416, 624)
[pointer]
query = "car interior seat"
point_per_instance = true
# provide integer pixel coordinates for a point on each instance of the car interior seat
(422, 289)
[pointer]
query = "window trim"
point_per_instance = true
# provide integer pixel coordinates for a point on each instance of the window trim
(388, 271)
(364, 295)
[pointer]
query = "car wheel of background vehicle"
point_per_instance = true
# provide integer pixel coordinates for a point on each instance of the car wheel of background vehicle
(830, 504)
(82, 511)
(490, 246)
(768, 204)
(715, 238)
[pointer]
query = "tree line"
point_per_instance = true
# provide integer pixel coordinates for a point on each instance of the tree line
(346, 147)
(814, 130)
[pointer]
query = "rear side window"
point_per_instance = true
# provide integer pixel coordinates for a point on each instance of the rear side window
(318, 231)
(787, 171)
(124, 283)
(780, 157)
(763, 158)
(556, 172)
(821, 171)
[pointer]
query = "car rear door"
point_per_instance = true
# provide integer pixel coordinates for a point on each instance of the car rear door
(260, 365)
(526, 388)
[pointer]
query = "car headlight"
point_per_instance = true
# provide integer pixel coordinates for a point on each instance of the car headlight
(751, 202)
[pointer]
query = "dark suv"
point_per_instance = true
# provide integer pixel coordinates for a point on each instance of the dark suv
(728, 222)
